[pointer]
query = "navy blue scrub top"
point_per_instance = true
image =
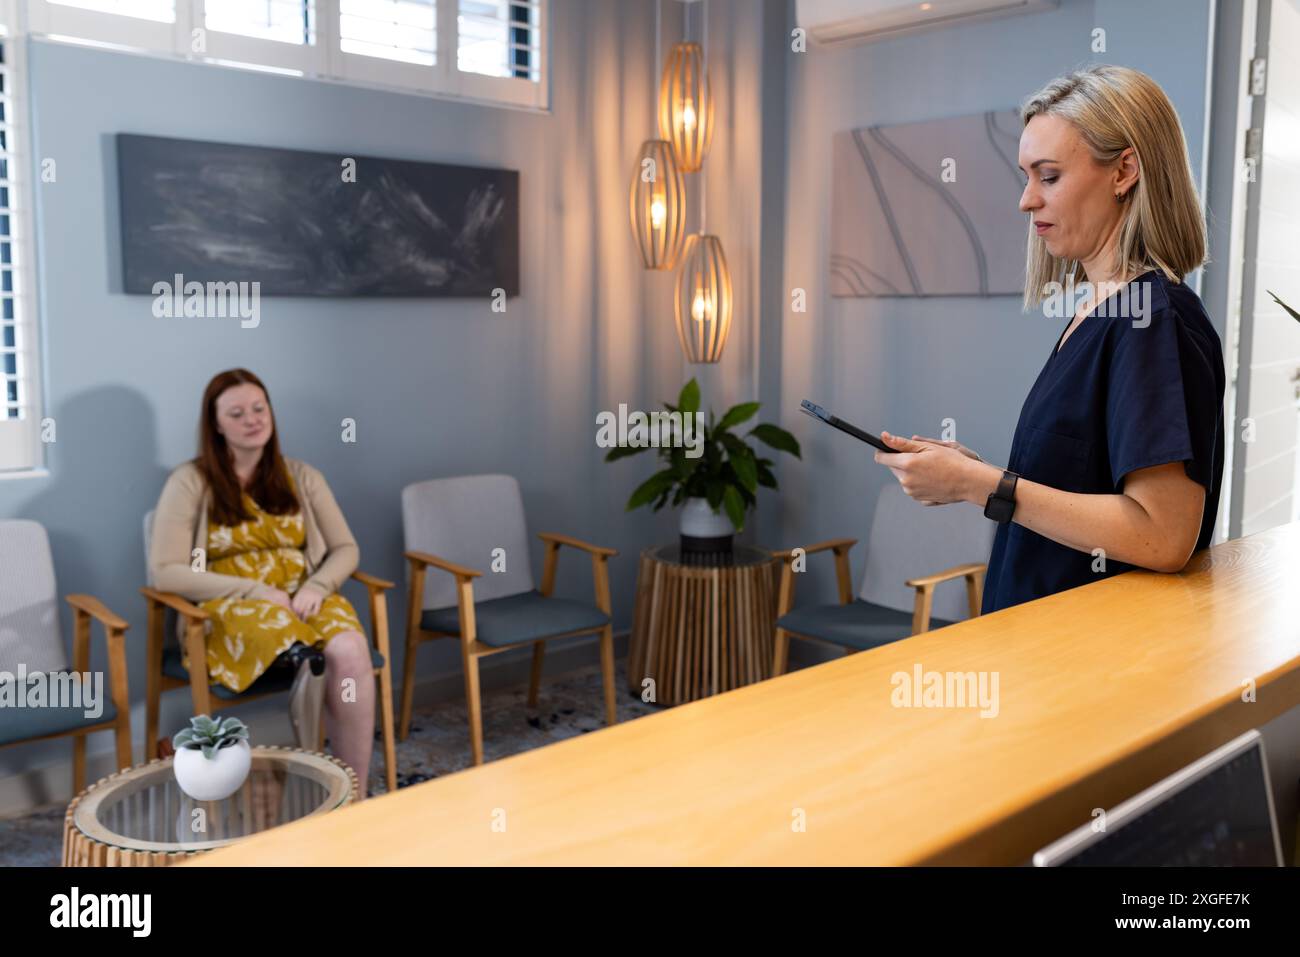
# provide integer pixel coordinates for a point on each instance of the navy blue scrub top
(1114, 399)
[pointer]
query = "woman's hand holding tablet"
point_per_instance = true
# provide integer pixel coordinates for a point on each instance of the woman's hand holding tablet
(952, 445)
(938, 473)
(931, 471)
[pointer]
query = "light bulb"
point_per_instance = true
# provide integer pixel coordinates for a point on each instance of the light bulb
(688, 116)
(699, 308)
(658, 213)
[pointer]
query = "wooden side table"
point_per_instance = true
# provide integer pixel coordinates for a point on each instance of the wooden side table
(698, 630)
(140, 817)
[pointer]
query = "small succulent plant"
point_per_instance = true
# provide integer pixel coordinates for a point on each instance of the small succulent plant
(209, 735)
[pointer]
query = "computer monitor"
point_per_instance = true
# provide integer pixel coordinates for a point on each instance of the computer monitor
(1216, 812)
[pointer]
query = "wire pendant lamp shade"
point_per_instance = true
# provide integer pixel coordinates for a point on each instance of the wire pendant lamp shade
(658, 205)
(703, 303)
(685, 106)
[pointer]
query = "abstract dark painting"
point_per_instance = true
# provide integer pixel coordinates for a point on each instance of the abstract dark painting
(314, 224)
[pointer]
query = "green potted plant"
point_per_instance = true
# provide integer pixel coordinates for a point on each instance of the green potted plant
(212, 757)
(718, 485)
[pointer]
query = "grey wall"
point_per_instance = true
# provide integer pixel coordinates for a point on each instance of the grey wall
(436, 387)
(904, 365)
(445, 388)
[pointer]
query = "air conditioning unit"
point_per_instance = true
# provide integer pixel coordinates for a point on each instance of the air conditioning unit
(847, 22)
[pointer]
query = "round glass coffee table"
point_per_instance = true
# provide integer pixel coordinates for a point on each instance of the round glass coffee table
(140, 817)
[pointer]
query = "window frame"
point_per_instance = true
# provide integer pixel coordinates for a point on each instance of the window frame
(506, 89)
(369, 70)
(256, 51)
(56, 20)
(323, 60)
(22, 453)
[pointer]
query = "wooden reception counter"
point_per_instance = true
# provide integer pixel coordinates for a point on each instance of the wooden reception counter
(1102, 690)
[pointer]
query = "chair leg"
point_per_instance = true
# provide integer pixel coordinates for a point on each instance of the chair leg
(408, 686)
(122, 735)
(473, 704)
(152, 706)
(386, 718)
(78, 764)
(196, 653)
(201, 698)
(153, 680)
(535, 679)
(607, 672)
(781, 658)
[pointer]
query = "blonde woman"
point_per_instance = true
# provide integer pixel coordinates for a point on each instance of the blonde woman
(276, 550)
(1117, 459)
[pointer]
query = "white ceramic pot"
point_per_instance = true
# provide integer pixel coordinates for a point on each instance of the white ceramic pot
(700, 521)
(212, 779)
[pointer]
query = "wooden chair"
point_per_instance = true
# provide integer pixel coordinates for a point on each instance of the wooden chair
(30, 636)
(897, 598)
(165, 670)
(454, 524)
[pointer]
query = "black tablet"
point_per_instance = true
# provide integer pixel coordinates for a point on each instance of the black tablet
(817, 412)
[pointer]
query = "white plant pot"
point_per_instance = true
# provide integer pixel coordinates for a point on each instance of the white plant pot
(212, 779)
(700, 521)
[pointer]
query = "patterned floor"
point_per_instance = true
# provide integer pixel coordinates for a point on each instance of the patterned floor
(569, 705)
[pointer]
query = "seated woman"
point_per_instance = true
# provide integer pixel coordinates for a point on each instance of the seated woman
(274, 550)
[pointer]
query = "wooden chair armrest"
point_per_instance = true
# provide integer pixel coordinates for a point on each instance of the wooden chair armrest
(424, 559)
(96, 609)
(973, 572)
(87, 607)
(837, 545)
(372, 583)
(599, 566)
(378, 602)
(553, 539)
(175, 602)
(420, 562)
(785, 590)
(957, 571)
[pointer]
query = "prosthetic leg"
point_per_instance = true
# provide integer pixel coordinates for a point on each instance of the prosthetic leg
(307, 694)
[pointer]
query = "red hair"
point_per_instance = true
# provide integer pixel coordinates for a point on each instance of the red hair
(270, 485)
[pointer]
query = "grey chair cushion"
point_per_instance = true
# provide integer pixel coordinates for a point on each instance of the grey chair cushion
(909, 540)
(29, 603)
(22, 724)
(464, 520)
(859, 624)
(517, 619)
(277, 679)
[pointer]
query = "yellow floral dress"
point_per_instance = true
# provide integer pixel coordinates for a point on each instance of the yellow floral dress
(244, 635)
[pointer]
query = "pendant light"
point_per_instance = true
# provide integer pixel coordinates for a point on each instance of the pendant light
(703, 303)
(685, 106)
(658, 197)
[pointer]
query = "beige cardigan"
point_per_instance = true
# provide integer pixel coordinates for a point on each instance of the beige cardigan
(181, 525)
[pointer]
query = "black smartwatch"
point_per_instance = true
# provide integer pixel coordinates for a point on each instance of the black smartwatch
(1002, 503)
